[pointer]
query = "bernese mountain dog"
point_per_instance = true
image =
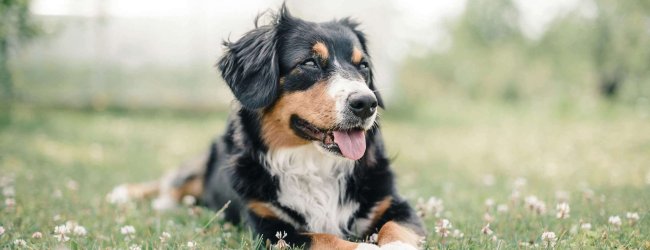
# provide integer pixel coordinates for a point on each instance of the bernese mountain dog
(302, 153)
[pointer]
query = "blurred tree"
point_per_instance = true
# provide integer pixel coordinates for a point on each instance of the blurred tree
(585, 52)
(486, 35)
(487, 24)
(16, 25)
(622, 43)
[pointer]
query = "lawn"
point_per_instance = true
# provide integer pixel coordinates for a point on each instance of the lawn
(482, 163)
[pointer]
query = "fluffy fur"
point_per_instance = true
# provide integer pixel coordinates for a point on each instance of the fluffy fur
(302, 89)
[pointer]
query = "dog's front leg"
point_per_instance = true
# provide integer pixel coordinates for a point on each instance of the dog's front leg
(319, 241)
(395, 236)
(274, 227)
(397, 225)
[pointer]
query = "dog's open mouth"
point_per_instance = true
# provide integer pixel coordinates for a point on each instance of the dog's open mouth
(349, 142)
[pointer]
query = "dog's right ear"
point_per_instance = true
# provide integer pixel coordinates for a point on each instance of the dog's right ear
(251, 69)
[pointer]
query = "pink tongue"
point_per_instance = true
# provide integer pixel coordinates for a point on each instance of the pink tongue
(351, 143)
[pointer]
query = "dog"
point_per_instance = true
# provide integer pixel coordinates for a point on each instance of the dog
(302, 153)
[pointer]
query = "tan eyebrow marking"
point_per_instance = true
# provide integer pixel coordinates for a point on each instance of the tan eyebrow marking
(320, 49)
(356, 55)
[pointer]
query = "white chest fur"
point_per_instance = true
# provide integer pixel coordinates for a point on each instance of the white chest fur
(312, 183)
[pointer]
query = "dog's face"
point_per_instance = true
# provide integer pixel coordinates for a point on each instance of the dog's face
(311, 82)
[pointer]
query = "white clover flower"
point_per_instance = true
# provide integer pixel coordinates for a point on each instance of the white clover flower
(549, 239)
(433, 206)
(192, 244)
(2, 230)
(10, 202)
(135, 247)
(632, 218)
(457, 234)
(20, 243)
(164, 237)
(442, 228)
(61, 229)
(127, 230)
(281, 244)
(486, 230)
(502, 208)
(615, 221)
(60, 233)
(79, 230)
(37, 235)
(531, 201)
(489, 203)
(280, 235)
(563, 210)
(535, 204)
(585, 226)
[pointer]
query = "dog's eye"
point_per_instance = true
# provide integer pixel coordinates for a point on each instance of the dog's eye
(310, 63)
(363, 65)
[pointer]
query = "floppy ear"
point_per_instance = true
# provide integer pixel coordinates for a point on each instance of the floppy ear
(362, 39)
(250, 67)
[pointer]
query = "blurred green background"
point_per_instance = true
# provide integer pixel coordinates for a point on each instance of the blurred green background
(482, 96)
(565, 54)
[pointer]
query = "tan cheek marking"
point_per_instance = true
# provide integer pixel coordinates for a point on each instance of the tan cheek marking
(321, 49)
(260, 209)
(356, 55)
(313, 105)
(328, 241)
(275, 127)
(392, 232)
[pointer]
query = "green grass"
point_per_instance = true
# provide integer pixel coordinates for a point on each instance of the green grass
(62, 163)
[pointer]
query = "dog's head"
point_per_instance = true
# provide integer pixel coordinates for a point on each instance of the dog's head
(311, 82)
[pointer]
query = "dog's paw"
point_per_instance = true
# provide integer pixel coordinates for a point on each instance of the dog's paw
(119, 195)
(163, 202)
(367, 246)
(398, 245)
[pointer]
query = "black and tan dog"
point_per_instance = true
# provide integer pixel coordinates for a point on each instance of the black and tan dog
(303, 152)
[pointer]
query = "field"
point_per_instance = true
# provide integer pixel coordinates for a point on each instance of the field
(484, 163)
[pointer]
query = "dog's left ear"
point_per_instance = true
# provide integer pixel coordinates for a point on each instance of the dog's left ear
(353, 25)
(251, 69)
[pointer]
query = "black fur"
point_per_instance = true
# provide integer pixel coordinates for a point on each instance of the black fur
(252, 67)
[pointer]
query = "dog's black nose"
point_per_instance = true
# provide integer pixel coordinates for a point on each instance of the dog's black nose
(362, 105)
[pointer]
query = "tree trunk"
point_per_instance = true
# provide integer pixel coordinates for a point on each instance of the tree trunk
(610, 84)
